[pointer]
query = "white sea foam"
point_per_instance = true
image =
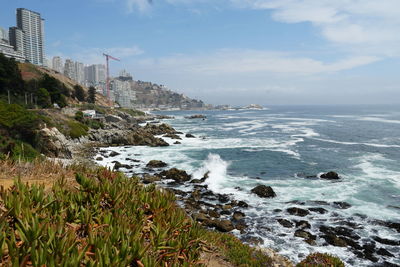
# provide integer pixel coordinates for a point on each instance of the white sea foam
(355, 143)
(375, 119)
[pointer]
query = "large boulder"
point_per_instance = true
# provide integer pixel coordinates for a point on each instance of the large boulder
(298, 211)
(263, 191)
(156, 164)
(330, 176)
(158, 129)
(223, 225)
(175, 174)
(53, 143)
(112, 118)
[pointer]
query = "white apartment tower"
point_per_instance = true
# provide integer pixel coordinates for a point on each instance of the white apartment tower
(69, 69)
(57, 64)
(32, 25)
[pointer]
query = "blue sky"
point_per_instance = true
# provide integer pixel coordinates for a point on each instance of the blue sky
(236, 51)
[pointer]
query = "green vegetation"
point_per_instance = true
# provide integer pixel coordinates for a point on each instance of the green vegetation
(79, 93)
(321, 260)
(91, 95)
(133, 112)
(77, 129)
(107, 220)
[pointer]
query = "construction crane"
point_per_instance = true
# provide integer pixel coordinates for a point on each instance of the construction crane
(108, 57)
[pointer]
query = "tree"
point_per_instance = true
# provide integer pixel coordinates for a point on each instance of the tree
(91, 95)
(79, 93)
(43, 98)
(10, 76)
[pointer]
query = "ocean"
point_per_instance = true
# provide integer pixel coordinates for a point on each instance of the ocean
(287, 148)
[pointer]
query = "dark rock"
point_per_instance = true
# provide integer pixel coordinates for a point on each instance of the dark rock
(200, 217)
(298, 211)
(285, 223)
(330, 176)
(175, 174)
(242, 204)
(223, 198)
(112, 118)
(99, 158)
(226, 212)
(133, 160)
(304, 234)
(341, 205)
(197, 116)
(277, 210)
(319, 210)
(238, 215)
(113, 154)
(148, 179)
(156, 164)
(188, 135)
(223, 225)
(172, 136)
(334, 240)
(158, 129)
(311, 242)
(241, 226)
(386, 241)
(196, 195)
(263, 191)
(393, 225)
(388, 264)
(368, 252)
(214, 214)
(384, 252)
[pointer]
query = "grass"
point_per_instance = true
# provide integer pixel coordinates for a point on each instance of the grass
(133, 112)
(77, 129)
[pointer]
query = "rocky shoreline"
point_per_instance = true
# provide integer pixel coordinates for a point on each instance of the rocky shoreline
(218, 211)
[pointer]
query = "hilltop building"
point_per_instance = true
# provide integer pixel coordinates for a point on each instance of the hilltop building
(122, 91)
(32, 26)
(57, 64)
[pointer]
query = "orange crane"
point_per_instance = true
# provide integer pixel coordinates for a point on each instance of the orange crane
(108, 57)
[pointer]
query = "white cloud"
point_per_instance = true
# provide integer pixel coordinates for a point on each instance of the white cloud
(228, 61)
(141, 5)
(369, 25)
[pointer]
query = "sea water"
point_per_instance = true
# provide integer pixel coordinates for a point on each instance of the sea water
(280, 147)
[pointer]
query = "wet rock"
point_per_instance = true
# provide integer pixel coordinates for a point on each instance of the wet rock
(285, 223)
(196, 116)
(214, 214)
(241, 226)
(200, 217)
(177, 143)
(238, 215)
(226, 212)
(388, 264)
(223, 225)
(341, 205)
(318, 202)
(113, 154)
(158, 129)
(133, 160)
(304, 234)
(277, 210)
(175, 174)
(297, 211)
(196, 195)
(368, 252)
(148, 179)
(173, 136)
(303, 224)
(386, 241)
(242, 204)
(188, 135)
(263, 191)
(99, 158)
(330, 176)
(334, 240)
(311, 242)
(156, 164)
(384, 252)
(226, 207)
(223, 198)
(253, 240)
(319, 210)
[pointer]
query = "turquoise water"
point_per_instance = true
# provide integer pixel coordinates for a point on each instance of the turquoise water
(279, 147)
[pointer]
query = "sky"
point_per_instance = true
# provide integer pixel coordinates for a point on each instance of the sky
(270, 52)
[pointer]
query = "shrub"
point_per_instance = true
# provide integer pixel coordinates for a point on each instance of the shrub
(320, 260)
(77, 129)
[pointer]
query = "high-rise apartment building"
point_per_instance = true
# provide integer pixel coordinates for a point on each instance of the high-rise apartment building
(32, 25)
(95, 74)
(69, 69)
(57, 64)
(79, 72)
(16, 37)
(3, 34)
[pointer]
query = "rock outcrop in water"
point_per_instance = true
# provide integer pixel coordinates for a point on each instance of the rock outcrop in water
(330, 176)
(263, 191)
